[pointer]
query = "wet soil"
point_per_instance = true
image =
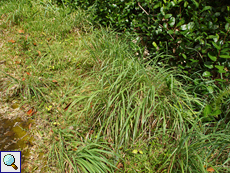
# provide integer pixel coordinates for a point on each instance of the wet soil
(16, 133)
(14, 136)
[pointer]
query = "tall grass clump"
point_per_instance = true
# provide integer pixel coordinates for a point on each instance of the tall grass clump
(71, 155)
(131, 100)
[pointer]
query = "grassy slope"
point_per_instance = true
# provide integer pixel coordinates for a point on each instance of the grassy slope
(122, 113)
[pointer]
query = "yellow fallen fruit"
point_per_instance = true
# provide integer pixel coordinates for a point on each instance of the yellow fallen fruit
(134, 151)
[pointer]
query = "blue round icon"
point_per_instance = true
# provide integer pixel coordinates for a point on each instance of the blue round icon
(9, 160)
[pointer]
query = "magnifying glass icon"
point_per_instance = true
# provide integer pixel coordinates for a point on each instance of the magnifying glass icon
(9, 160)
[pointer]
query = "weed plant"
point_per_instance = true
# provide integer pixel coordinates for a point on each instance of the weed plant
(101, 107)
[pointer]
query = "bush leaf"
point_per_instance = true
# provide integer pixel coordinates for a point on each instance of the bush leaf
(225, 56)
(216, 46)
(207, 110)
(213, 58)
(206, 74)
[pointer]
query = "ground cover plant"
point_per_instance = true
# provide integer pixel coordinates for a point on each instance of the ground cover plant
(98, 106)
